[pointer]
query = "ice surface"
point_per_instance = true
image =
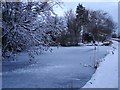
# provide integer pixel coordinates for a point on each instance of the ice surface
(63, 68)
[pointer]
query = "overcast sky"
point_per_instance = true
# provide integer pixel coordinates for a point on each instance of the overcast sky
(111, 7)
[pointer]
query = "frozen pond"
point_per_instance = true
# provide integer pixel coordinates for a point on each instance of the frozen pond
(65, 67)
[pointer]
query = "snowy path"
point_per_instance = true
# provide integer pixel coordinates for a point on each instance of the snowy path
(64, 68)
(106, 76)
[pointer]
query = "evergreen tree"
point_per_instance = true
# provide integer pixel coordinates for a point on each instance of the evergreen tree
(82, 19)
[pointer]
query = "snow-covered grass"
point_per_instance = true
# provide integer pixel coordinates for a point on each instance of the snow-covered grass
(106, 75)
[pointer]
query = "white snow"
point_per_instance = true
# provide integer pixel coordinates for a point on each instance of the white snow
(106, 75)
(64, 67)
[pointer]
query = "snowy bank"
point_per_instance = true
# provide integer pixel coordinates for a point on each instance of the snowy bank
(106, 75)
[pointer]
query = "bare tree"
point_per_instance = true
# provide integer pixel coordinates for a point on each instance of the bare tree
(100, 25)
(73, 32)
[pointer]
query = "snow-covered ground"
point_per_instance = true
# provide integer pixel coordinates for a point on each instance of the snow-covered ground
(116, 39)
(65, 67)
(106, 76)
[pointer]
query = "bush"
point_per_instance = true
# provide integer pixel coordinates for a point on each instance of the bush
(114, 35)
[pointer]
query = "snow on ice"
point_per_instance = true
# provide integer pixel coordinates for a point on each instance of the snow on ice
(65, 67)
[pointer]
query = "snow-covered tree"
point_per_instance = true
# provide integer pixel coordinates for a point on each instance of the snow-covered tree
(56, 26)
(25, 26)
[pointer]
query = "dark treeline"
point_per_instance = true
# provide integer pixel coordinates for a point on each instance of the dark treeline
(86, 25)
